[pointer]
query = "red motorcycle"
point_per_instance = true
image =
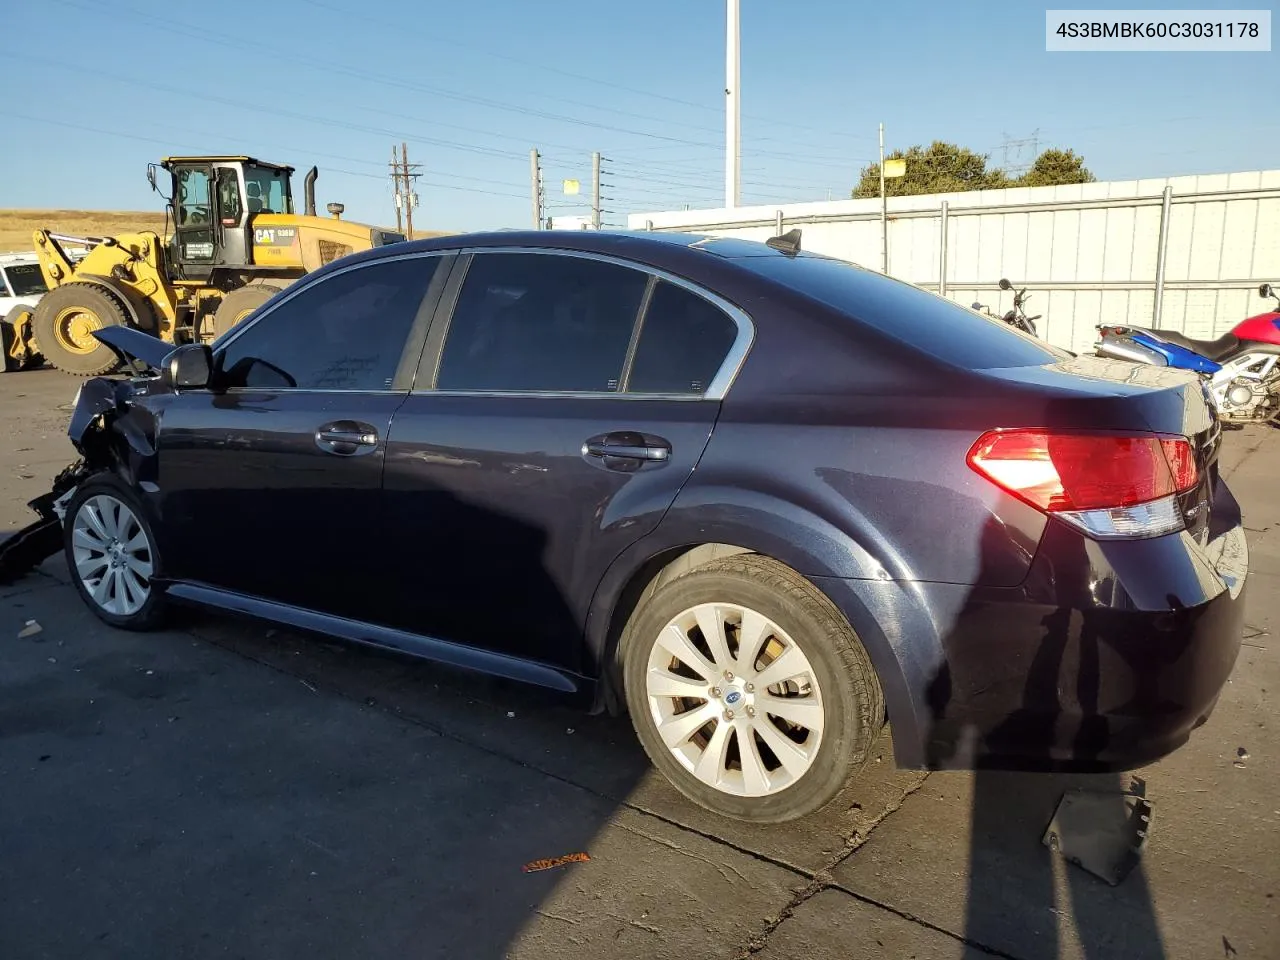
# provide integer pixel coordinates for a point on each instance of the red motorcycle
(1241, 369)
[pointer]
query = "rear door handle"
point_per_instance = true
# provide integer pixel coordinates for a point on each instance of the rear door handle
(627, 445)
(347, 438)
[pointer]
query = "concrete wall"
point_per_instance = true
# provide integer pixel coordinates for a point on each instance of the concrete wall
(1087, 253)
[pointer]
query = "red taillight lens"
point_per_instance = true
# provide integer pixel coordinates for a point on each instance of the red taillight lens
(1071, 472)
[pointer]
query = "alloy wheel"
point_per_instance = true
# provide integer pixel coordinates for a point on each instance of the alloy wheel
(112, 555)
(735, 699)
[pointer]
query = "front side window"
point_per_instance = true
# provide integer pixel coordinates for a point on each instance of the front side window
(683, 343)
(527, 322)
(193, 196)
(229, 205)
(347, 332)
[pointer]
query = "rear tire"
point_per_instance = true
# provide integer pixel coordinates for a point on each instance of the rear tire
(112, 555)
(808, 723)
(63, 324)
(238, 304)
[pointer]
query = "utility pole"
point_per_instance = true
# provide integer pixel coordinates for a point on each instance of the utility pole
(733, 110)
(535, 178)
(884, 212)
(409, 175)
(595, 190)
(395, 185)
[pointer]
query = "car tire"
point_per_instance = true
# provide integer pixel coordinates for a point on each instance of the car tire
(111, 554)
(834, 690)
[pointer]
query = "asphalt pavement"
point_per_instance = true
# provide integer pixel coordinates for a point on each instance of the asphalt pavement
(221, 789)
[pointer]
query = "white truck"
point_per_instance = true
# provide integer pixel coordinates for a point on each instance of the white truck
(21, 287)
(570, 223)
(21, 282)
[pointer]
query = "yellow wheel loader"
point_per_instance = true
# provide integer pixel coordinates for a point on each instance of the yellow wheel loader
(235, 241)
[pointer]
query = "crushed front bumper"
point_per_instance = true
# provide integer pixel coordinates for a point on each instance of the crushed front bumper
(36, 542)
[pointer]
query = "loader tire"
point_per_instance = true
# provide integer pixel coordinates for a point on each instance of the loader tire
(64, 322)
(238, 304)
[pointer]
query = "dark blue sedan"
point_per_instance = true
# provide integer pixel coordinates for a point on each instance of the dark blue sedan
(762, 500)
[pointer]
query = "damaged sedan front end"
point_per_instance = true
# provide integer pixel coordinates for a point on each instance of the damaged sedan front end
(109, 431)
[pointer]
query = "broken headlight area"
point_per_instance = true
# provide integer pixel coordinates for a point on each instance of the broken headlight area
(95, 431)
(108, 430)
(34, 543)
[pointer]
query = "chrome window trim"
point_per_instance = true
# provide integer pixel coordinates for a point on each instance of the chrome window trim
(716, 389)
(565, 395)
(302, 286)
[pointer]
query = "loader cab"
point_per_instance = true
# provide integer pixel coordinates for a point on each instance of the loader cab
(213, 201)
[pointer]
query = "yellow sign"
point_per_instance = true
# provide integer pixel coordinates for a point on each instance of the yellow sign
(895, 168)
(571, 187)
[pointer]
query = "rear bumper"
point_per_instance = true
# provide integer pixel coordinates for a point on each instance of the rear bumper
(1106, 658)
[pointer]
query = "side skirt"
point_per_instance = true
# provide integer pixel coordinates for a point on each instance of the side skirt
(387, 638)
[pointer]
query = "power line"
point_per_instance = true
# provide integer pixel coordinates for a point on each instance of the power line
(331, 67)
(435, 37)
(168, 143)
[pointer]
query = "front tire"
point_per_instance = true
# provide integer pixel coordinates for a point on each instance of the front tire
(749, 691)
(64, 321)
(112, 555)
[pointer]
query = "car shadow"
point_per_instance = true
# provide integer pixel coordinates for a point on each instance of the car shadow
(421, 793)
(343, 802)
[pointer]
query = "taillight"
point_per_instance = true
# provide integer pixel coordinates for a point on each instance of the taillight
(1107, 485)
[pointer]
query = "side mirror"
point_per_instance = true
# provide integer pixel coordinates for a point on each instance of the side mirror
(1266, 291)
(151, 177)
(977, 305)
(189, 367)
(1005, 284)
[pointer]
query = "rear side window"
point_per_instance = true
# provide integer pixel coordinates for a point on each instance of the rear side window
(532, 322)
(347, 332)
(932, 324)
(682, 345)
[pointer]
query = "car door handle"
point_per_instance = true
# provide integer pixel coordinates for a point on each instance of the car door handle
(346, 437)
(627, 446)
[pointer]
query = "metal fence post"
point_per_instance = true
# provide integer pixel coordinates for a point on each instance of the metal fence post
(942, 252)
(777, 224)
(1165, 205)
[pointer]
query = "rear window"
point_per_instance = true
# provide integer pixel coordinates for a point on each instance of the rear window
(932, 324)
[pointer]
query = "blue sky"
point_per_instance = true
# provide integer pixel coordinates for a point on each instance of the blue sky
(473, 86)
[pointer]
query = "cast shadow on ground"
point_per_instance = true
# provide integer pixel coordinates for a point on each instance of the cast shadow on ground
(1022, 898)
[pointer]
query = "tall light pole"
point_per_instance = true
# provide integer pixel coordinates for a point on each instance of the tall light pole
(733, 111)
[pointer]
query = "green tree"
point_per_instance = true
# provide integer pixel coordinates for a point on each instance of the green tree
(949, 168)
(939, 168)
(1054, 167)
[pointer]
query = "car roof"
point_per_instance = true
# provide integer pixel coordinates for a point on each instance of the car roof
(604, 240)
(13, 259)
(657, 249)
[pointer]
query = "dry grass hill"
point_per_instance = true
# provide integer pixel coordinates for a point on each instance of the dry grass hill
(16, 226)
